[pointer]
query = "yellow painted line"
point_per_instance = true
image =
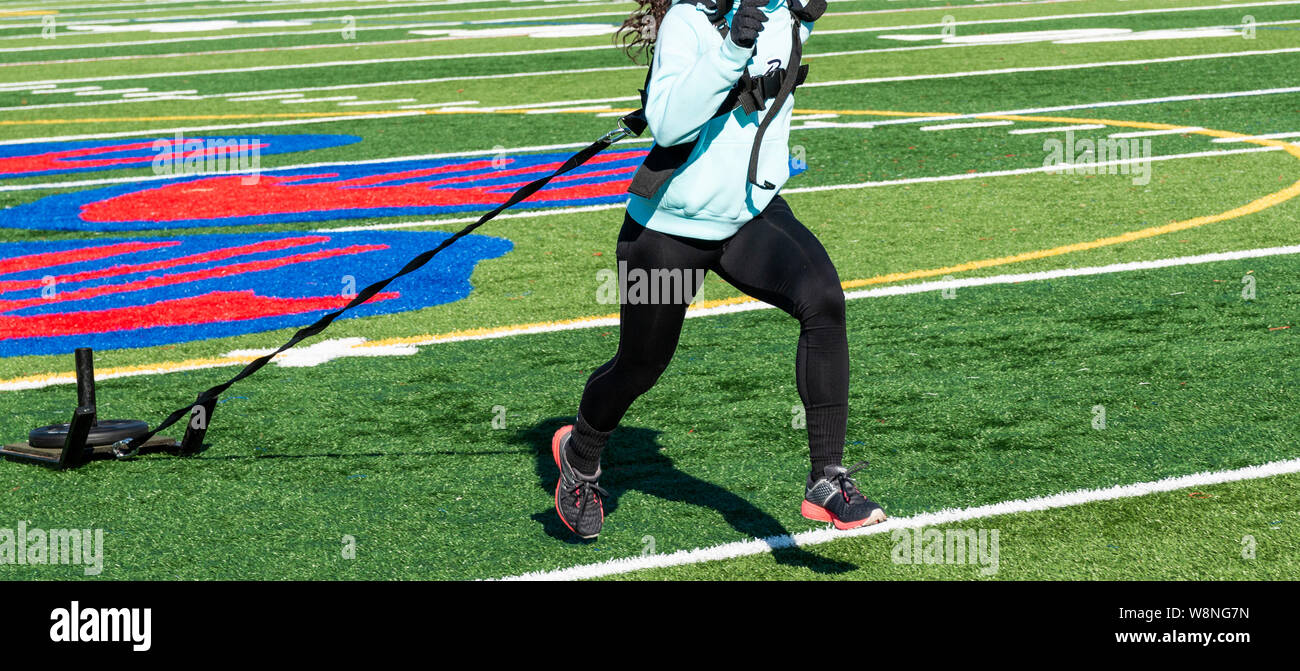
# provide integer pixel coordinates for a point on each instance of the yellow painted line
(30, 12)
(140, 369)
(1252, 207)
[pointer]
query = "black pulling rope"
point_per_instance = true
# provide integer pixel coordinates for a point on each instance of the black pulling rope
(632, 124)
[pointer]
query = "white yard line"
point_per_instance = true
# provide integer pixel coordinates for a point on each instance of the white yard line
(1056, 129)
(331, 99)
(226, 36)
(1153, 133)
(973, 124)
(1039, 68)
(273, 96)
(1058, 17)
(377, 102)
(466, 220)
(338, 87)
(878, 292)
(112, 92)
(573, 145)
(231, 126)
(1023, 171)
(435, 57)
(1270, 136)
(456, 103)
(325, 64)
(946, 516)
(1097, 105)
(847, 82)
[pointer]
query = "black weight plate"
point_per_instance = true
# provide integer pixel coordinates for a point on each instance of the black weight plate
(104, 432)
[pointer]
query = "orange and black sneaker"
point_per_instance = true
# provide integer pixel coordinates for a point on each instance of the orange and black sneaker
(577, 496)
(835, 498)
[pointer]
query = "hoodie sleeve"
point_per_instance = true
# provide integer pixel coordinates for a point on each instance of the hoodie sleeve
(690, 76)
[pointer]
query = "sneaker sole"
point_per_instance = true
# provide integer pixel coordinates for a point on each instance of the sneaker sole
(815, 512)
(556, 440)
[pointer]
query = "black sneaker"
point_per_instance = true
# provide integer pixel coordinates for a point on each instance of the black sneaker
(835, 498)
(577, 496)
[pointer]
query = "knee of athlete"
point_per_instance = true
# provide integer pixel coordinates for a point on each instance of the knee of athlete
(824, 306)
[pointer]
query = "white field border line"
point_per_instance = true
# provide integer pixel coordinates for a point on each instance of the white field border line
(1270, 136)
(532, 52)
(63, 6)
(1097, 105)
(1056, 17)
(946, 516)
(973, 124)
(806, 189)
(446, 24)
(878, 292)
(309, 21)
(301, 10)
(518, 6)
(483, 152)
(1057, 129)
(487, 34)
(1058, 168)
(285, 33)
(1151, 133)
(18, 86)
(331, 164)
(325, 64)
(1036, 68)
(466, 220)
(809, 125)
(332, 87)
(926, 47)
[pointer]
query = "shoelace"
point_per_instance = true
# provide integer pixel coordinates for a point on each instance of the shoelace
(846, 483)
(583, 489)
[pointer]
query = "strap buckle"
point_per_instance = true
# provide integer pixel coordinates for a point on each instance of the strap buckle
(628, 126)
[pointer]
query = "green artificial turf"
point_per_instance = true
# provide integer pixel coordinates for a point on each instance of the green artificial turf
(985, 397)
(982, 398)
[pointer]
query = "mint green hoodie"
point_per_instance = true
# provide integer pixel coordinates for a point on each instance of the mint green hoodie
(694, 68)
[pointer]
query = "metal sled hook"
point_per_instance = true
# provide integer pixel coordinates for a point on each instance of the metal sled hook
(623, 131)
(122, 449)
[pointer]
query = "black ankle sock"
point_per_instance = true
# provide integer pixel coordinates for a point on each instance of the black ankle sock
(586, 445)
(826, 428)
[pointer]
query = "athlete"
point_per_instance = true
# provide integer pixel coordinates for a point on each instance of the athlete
(718, 101)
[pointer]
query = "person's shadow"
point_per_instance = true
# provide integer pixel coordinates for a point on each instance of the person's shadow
(634, 461)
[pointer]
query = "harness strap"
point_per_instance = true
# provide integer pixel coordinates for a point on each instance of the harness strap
(787, 87)
(631, 124)
(749, 93)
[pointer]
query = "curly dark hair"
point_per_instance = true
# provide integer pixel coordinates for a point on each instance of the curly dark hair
(639, 30)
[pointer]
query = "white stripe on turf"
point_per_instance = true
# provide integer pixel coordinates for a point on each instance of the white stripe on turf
(973, 124)
(1056, 129)
(983, 73)
(896, 290)
(575, 145)
(946, 516)
(806, 189)
(533, 52)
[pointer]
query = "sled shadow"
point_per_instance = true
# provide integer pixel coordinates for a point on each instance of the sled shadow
(634, 461)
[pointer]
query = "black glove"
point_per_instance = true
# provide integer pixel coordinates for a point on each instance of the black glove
(748, 23)
(808, 11)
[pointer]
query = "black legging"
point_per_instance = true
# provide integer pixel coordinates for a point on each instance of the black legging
(773, 258)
